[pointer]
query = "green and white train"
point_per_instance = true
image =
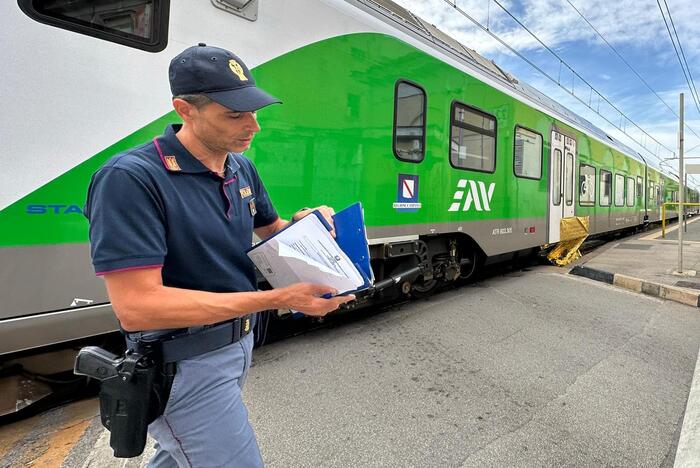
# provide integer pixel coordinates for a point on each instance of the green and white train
(454, 160)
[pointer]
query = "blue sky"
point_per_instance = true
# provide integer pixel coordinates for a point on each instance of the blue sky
(634, 27)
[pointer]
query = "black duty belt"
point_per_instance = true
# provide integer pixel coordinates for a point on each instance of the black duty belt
(208, 339)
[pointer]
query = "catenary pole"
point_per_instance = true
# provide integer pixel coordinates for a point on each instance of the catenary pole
(681, 189)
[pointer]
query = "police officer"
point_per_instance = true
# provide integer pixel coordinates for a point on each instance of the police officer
(170, 222)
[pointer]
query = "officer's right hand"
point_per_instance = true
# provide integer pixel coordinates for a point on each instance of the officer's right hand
(306, 298)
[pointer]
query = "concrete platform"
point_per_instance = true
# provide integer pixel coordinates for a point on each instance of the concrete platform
(529, 368)
(648, 264)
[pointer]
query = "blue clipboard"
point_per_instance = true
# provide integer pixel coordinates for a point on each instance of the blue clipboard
(351, 237)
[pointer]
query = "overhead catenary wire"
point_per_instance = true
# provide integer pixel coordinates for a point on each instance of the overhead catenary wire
(576, 74)
(687, 67)
(453, 4)
(689, 80)
(682, 62)
(691, 149)
(673, 111)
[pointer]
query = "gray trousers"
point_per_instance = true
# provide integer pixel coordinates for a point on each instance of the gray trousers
(205, 423)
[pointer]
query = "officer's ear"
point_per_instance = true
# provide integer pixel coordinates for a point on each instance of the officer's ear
(184, 109)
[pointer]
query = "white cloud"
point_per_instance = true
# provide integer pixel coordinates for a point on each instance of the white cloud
(555, 22)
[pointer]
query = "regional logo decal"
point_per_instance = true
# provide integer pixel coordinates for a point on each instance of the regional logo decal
(237, 70)
(476, 194)
(407, 194)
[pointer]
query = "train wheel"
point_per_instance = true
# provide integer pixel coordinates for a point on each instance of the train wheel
(422, 288)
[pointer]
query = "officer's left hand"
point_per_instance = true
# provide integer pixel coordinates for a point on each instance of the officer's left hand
(326, 211)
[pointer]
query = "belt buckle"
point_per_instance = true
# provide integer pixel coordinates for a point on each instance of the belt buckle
(241, 327)
(235, 331)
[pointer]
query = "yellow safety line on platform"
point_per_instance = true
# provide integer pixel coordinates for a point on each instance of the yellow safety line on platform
(11, 433)
(663, 213)
(674, 242)
(52, 449)
(657, 235)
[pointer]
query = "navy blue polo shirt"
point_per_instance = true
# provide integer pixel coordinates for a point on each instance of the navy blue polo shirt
(158, 206)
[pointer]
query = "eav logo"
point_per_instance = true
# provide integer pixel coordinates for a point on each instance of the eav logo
(476, 194)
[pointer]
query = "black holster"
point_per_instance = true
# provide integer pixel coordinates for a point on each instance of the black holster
(134, 392)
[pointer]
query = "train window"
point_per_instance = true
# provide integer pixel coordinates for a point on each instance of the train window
(527, 154)
(619, 190)
(142, 24)
(586, 185)
(569, 179)
(640, 187)
(472, 139)
(651, 193)
(605, 187)
(630, 191)
(556, 178)
(409, 122)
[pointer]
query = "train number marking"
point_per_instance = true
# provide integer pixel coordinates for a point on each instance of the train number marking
(502, 231)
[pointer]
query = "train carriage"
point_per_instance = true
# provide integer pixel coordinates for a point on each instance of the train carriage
(454, 160)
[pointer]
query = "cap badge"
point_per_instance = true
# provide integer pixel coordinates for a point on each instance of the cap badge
(237, 70)
(171, 163)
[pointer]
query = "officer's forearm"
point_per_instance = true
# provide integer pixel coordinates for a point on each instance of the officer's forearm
(148, 305)
(179, 308)
(266, 231)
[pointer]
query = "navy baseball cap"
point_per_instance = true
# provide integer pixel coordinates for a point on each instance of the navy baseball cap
(219, 74)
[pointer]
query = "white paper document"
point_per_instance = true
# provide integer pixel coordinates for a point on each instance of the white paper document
(305, 252)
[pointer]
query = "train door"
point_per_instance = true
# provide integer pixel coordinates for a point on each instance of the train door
(569, 176)
(561, 182)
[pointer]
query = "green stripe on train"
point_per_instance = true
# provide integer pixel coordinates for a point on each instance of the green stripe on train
(52, 214)
(331, 143)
